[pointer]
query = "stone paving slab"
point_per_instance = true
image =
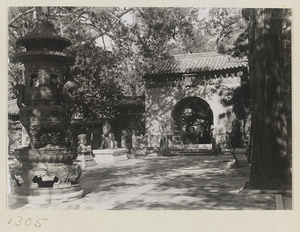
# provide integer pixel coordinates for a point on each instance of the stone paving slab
(176, 183)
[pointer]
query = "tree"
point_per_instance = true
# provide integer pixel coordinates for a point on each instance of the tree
(239, 99)
(128, 50)
(270, 155)
(20, 23)
(96, 73)
(226, 32)
(225, 26)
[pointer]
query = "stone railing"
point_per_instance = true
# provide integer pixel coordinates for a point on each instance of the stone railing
(110, 155)
(113, 152)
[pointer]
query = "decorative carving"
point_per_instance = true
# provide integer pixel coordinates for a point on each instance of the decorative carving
(42, 12)
(47, 175)
(20, 95)
(114, 152)
(67, 91)
(86, 156)
(125, 139)
(52, 138)
(108, 138)
(63, 178)
(82, 144)
(48, 155)
(15, 174)
(41, 120)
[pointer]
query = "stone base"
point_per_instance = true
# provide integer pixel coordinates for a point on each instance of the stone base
(47, 195)
(101, 159)
(46, 182)
(240, 150)
(90, 163)
(227, 151)
(192, 146)
(110, 155)
(228, 164)
(85, 161)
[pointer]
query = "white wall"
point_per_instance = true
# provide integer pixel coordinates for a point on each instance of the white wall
(161, 100)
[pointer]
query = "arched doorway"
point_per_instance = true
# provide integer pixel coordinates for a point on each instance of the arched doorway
(193, 121)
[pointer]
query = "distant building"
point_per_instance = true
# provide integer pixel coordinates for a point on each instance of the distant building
(183, 100)
(131, 118)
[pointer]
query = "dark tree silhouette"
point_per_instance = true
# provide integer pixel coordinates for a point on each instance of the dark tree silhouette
(270, 153)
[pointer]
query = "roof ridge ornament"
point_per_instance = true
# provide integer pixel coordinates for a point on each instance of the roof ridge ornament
(42, 12)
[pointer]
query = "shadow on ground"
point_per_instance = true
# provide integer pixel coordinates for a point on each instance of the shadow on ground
(173, 183)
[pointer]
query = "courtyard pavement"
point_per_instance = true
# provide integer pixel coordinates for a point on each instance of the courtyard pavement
(165, 183)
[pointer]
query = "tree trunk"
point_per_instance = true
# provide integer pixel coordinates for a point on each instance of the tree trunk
(270, 162)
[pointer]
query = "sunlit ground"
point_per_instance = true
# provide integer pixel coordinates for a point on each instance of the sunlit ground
(173, 183)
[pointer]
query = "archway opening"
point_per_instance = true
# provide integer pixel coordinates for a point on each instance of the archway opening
(193, 121)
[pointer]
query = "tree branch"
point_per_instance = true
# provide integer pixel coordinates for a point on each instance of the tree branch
(103, 42)
(20, 15)
(125, 12)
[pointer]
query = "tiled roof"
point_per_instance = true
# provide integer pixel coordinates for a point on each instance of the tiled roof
(13, 108)
(132, 101)
(19, 57)
(198, 62)
(90, 122)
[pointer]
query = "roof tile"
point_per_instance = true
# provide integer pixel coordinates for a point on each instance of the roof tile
(13, 108)
(197, 62)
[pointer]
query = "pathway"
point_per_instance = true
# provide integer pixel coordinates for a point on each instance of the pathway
(165, 183)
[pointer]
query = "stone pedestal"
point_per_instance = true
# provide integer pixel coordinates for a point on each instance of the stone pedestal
(192, 147)
(85, 160)
(229, 164)
(227, 151)
(231, 157)
(50, 178)
(110, 155)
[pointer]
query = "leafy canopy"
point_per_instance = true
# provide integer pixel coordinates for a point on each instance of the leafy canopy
(116, 46)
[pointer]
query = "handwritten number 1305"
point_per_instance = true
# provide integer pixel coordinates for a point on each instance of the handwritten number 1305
(19, 221)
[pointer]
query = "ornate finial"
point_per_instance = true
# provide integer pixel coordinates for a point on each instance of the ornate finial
(42, 12)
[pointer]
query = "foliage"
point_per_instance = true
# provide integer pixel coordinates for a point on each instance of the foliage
(225, 26)
(21, 22)
(163, 29)
(228, 31)
(95, 72)
(236, 134)
(239, 99)
(14, 136)
(114, 47)
(196, 113)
